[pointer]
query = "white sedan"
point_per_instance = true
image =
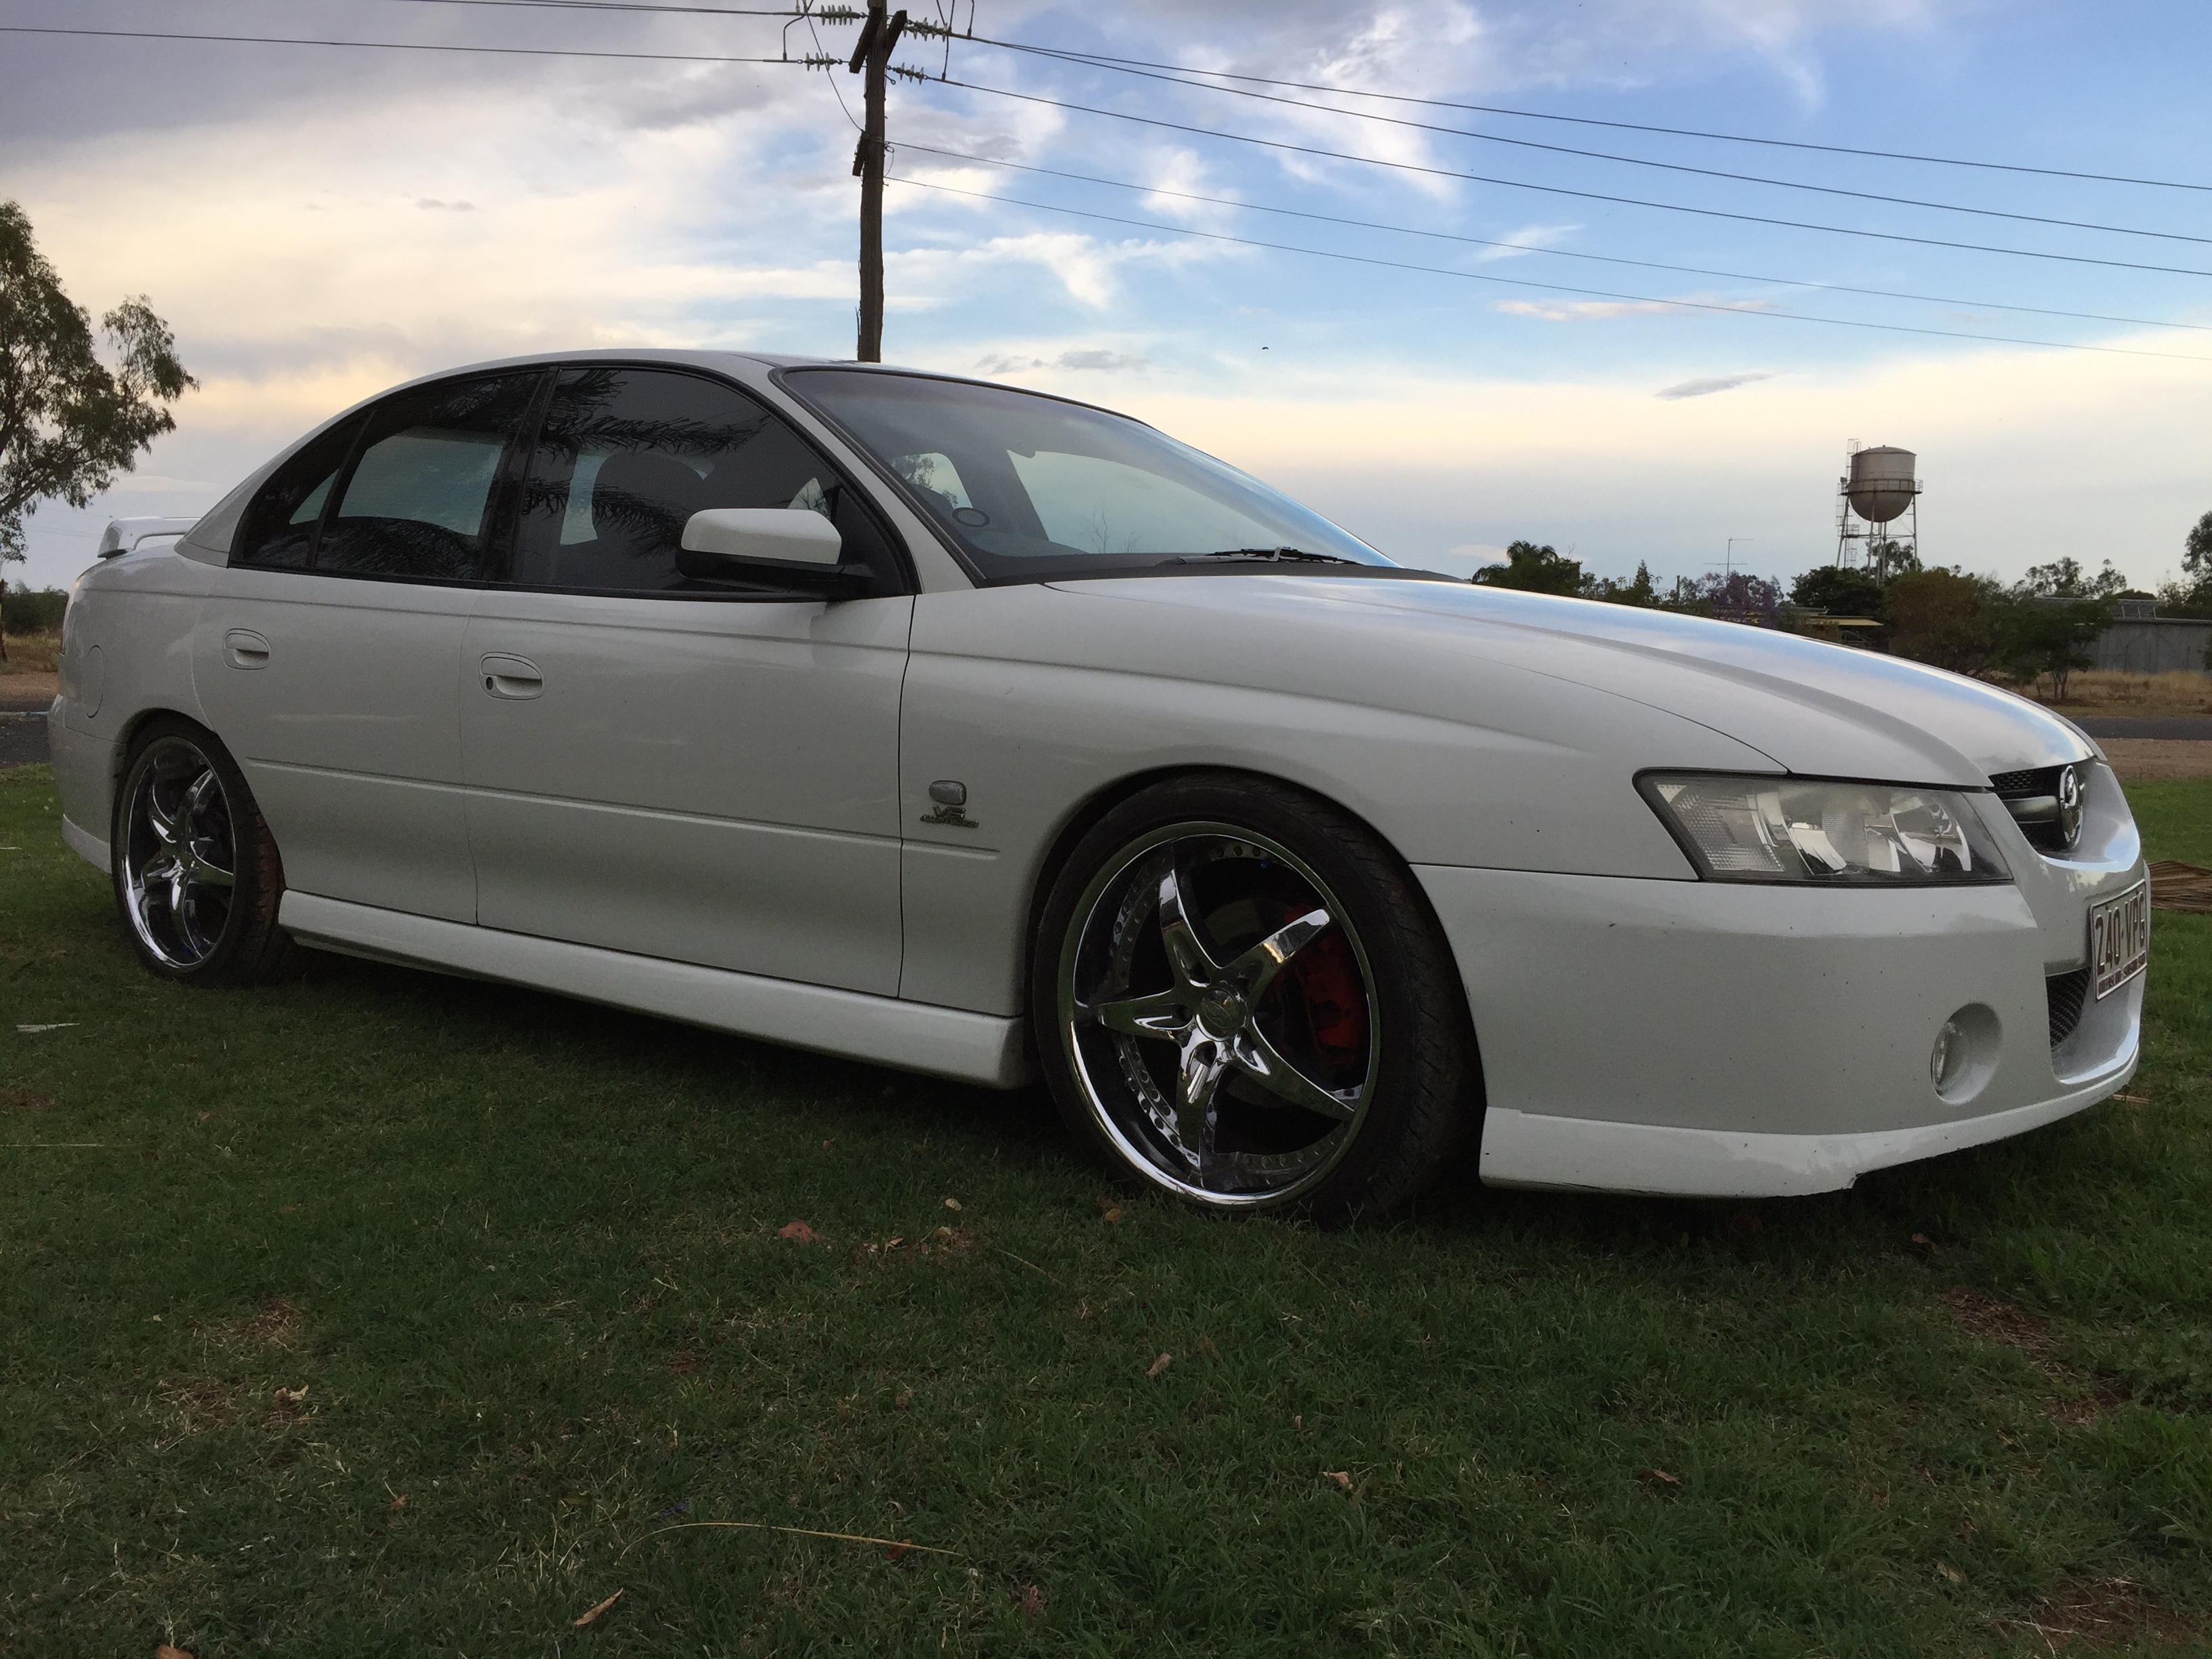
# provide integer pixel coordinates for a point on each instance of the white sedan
(984, 733)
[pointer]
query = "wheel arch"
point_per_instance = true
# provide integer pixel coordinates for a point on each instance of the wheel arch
(127, 733)
(1106, 797)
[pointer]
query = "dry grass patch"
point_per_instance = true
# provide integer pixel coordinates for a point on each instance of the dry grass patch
(2106, 1615)
(1991, 1319)
(31, 653)
(2092, 691)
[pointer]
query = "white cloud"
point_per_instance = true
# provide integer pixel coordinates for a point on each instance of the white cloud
(1711, 383)
(1529, 238)
(1591, 310)
(1091, 360)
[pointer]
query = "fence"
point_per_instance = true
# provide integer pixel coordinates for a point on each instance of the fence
(2153, 645)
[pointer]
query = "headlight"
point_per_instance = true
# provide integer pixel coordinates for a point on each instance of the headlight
(1824, 832)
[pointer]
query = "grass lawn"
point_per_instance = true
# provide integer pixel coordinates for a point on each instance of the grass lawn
(384, 1314)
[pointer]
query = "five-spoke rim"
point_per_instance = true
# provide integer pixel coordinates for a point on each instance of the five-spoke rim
(179, 853)
(1219, 1012)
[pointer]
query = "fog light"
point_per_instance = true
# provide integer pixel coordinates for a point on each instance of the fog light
(1965, 1053)
(1949, 1056)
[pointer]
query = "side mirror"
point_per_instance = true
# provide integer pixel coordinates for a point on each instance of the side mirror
(794, 544)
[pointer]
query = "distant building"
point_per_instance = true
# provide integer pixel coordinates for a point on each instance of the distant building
(2140, 641)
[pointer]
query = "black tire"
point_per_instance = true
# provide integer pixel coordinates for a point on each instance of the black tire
(207, 915)
(1312, 1051)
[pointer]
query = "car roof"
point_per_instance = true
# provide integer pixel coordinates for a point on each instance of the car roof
(723, 360)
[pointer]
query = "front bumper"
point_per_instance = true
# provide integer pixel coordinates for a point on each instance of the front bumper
(1702, 1039)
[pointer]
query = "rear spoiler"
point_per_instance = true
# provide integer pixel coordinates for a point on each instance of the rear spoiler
(122, 535)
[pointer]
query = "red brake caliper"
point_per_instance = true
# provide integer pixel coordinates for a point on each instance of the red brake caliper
(1327, 978)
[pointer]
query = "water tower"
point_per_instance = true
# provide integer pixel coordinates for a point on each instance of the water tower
(1877, 491)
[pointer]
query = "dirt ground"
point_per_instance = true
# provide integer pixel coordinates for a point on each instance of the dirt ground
(2148, 760)
(22, 688)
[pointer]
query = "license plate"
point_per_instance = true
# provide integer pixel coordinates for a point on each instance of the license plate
(2120, 939)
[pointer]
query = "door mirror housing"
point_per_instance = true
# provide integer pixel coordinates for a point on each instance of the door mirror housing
(791, 546)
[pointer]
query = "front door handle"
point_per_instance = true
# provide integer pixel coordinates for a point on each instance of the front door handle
(244, 648)
(515, 679)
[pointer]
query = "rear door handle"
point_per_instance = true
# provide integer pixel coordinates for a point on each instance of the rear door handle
(244, 648)
(515, 679)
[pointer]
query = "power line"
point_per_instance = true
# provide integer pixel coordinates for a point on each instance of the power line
(1129, 67)
(1102, 61)
(824, 14)
(1554, 253)
(1675, 166)
(403, 45)
(1583, 195)
(1554, 287)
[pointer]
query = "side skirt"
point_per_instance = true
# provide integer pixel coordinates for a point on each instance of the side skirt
(911, 1036)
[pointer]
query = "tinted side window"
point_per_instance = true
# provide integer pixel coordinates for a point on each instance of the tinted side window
(419, 500)
(278, 528)
(626, 456)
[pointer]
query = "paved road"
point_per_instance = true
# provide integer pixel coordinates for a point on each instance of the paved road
(22, 739)
(2185, 728)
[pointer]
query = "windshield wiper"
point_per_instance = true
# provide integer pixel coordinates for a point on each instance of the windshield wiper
(1272, 555)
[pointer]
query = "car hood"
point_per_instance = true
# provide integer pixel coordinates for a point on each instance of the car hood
(1810, 707)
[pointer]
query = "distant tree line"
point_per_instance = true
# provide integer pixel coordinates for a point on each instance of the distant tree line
(2034, 631)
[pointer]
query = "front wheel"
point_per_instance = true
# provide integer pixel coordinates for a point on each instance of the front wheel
(196, 874)
(1241, 997)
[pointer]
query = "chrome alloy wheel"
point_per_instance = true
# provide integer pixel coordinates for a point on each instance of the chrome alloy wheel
(179, 853)
(1219, 1015)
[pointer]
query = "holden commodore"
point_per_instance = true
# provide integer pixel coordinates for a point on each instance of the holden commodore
(988, 734)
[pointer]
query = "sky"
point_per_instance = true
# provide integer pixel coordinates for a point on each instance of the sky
(318, 223)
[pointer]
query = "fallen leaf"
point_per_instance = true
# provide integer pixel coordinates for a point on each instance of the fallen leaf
(1298, 1422)
(952, 1203)
(293, 1396)
(595, 1612)
(894, 1551)
(1032, 1601)
(1661, 1474)
(1206, 1346)
(2132, 1100)
(797, 1231)
(902, 1399)
(288, 1209)
(1160, 1365)
(827, 1145)
(1342, 1477)
(163, 1650)
(1924, 1242)
(893, 1244)
(23, 1100)
(1114, 1214)
(1951, 1572)
(398, 1503)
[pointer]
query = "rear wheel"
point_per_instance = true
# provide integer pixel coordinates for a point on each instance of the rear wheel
(1240, 998)
(196, 874)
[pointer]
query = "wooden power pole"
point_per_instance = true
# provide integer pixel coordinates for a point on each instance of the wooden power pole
(879, 35)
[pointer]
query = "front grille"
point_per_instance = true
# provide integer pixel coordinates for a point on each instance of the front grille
(2034, 792)
(2039, 781)
(2066, 994)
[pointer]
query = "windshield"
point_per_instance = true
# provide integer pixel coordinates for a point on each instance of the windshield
(1033, 487)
